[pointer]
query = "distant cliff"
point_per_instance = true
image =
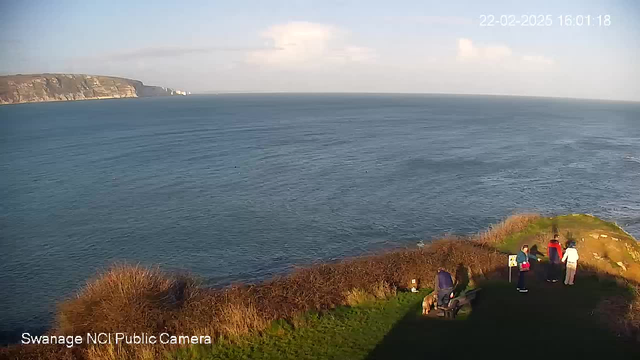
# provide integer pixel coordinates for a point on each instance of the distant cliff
(15, 89)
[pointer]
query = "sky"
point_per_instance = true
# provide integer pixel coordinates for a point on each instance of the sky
(334, 46)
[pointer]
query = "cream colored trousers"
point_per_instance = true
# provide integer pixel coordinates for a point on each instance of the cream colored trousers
(571, 273)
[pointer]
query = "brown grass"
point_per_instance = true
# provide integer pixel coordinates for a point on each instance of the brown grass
(39, 352)
(136, 299)
(355, 297)
(382, 290)
(379, 291)
(116, 352)
(498, 232)
(239, 319)
(125, 299)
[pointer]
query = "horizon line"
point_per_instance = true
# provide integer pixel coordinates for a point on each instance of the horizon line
(227, 92)
(266, 92)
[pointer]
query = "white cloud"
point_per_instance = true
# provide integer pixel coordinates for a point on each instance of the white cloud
(298, 44)
(468, 51)
(538, 59)
(497, 52)
(154, 53)
(500, 56)
(359, 54)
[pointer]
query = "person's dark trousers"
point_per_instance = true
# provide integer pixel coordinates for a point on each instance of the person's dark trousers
(521, 280)
(552, 274)
(443, 296)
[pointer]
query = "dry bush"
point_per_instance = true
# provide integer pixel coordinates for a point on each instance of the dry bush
(498, 232)
(380, 290)
(383, 290)
(147, 303)
(239, 319)
(324, 286)
(136, 299)
(118, 352)
(124, 299)
(38, 352)
(355, 297)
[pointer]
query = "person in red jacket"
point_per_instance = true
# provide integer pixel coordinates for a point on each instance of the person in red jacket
(554, 252)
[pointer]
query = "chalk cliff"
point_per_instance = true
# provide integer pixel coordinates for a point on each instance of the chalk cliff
(16, 89)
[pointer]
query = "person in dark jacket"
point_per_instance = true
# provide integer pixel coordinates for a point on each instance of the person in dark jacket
(523, 264)
(444, 287)
(554, 251)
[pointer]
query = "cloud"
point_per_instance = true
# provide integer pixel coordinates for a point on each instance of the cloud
(500, 55)
(468, 51)
(538, 59)
(308, 44)
(167, 52)
(495, 53)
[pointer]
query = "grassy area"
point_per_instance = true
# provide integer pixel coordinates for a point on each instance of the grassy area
(550, 320)
(345, 333)
(359, 308)
(601, 244)
(569, 227)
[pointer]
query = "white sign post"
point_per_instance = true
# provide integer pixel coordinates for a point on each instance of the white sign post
(512, 263)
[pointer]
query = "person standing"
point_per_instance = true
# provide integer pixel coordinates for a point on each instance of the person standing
(571, 257)
(554, 252)
(443, 287)
(524, 266)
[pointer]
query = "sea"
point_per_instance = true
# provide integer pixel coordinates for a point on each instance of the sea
(243, 187)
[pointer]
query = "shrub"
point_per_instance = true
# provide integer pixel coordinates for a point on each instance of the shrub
(136, 299)
(356, 297)
(124, 299)
(117, 352)
(498, 232)
(382, 290)
(239, 319)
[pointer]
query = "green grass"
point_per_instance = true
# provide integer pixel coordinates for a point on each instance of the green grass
(568, 226)
(551, 321)
(345, 333)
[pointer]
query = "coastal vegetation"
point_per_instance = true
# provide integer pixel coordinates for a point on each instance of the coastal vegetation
(360, 308)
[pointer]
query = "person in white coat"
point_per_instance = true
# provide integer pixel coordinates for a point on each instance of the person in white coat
(571, 258)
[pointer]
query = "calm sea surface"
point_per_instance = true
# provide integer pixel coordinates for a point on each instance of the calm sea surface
(241, 187)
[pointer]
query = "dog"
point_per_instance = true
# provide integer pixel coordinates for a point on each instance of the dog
(429, 300)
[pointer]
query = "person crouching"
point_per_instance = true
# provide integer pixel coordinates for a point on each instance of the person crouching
(444, 287)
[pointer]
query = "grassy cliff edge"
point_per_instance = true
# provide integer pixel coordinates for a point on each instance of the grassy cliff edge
(358, 308)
